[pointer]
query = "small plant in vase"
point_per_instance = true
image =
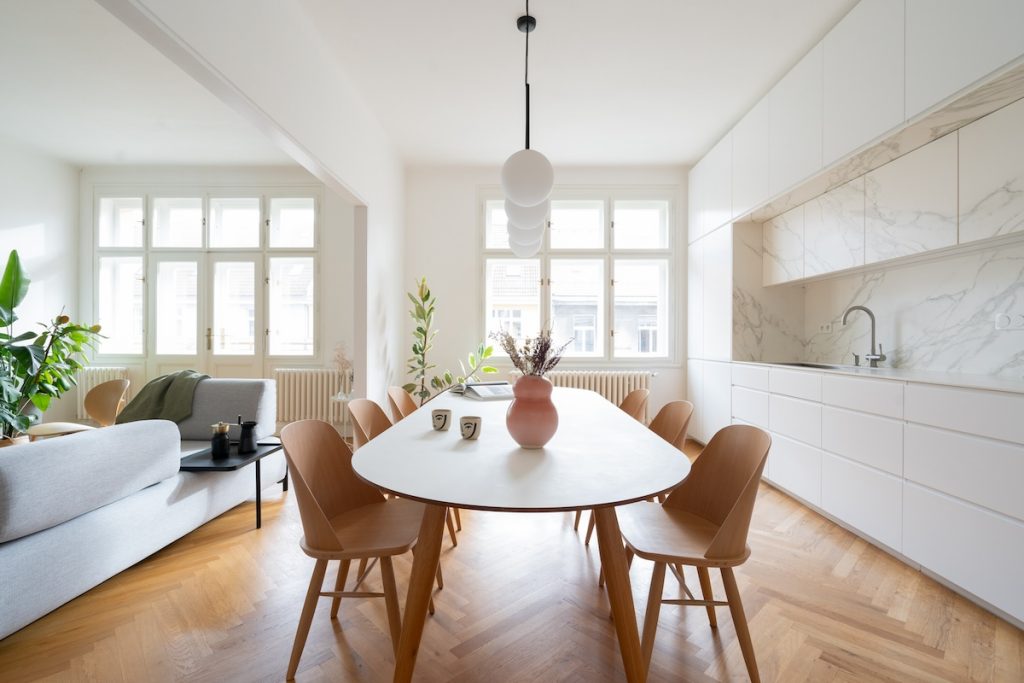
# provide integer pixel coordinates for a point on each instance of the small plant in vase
(531, 418)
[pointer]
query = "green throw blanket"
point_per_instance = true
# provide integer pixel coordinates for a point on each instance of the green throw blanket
(165, 398)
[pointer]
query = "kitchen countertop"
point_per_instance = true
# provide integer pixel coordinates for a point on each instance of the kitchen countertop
(951, 379)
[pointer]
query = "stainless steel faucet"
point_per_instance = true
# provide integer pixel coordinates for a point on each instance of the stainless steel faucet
(875, 355)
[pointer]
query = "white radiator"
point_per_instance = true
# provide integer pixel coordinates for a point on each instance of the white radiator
(89, 377)
(311, 394)
(612, 384)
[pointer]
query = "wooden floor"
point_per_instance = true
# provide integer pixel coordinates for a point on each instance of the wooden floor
(520, 603)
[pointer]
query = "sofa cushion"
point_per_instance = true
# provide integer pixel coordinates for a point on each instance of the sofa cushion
(45, 483)
(223, 400)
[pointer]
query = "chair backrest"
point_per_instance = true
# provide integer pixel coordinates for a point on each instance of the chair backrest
(402, 403)
(722, 486)
(635, 404)
(104, 401)
(320, 468)
(671, 422)
(368, 420)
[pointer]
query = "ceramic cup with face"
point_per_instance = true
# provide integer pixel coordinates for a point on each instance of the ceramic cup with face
(470, 426)
(441, 419)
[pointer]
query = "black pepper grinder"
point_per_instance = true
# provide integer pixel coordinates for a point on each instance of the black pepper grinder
(220, 445)
(247, 439)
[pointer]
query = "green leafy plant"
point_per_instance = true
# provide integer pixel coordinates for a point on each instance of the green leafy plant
(35, 367)
(424, 304)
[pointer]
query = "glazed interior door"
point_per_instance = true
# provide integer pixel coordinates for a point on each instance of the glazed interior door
(235, 333)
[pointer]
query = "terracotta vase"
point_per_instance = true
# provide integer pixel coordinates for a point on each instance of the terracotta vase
(16, 441)
(531, 418)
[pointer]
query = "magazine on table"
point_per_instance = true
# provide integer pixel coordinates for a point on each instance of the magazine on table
(485, 391)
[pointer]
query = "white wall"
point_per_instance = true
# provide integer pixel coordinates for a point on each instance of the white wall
(39, 217)
(444, 241)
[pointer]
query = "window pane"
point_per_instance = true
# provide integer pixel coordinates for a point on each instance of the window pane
(641, 308)
(496, 229)
(120, 222)
(577, 224)
(513, 297)
(177, 301)
(641, 224)
(235, 222)
(120, 304)
(292, 222)
(234, 308)
(291, 306)
(178, 222)
(577, 305)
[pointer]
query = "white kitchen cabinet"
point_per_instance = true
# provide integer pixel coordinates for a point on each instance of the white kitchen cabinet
(695, 395)
(717, 185)
(834, 230)
(876, 396)
(979, 550)
(750, 159)
(796, 467)
(796, 419)
(867, 439)
(695, 300)
(864, 498)
(863, 81)
(717, 294)
(751, 406)
(911, 203)
(992, 174)
(981, 471)
(795, 383)
(695, 197)
(783, 248)
(992, 414)
(795, 124)
(750, 376)
(717, 397)
(951, 44)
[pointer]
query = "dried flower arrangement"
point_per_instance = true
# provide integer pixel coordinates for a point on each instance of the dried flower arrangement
(343, 364)
(536, 356)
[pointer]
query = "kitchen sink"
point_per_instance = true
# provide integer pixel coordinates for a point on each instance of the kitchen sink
(818, 366)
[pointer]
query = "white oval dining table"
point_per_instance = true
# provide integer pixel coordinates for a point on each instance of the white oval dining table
(599, 458)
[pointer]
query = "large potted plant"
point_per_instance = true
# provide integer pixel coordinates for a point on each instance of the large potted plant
(35, 366)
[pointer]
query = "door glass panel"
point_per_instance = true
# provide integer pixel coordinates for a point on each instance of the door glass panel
(120, 222)
(496, 225)
(177, 299)
(577, 305)
(641, 308)
(178, 222)
(234, 308)
(513, 297)
(641, 224)
(291, 306)
(577, 224)
(235, 222)
(120, 298)
(292, 222)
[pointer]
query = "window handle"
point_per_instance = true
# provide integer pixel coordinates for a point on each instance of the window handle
(209, 338)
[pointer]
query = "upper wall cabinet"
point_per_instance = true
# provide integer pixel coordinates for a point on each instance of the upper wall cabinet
(783, 255)
(910, 203)
(718, 185)
(834, 230)
(992, 175)
(863, 85)
(750, 159)
(795, 124)
(953, 43)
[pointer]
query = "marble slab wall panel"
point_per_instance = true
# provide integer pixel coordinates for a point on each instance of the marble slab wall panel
(834, 230)
(935, 315)
(992, 175)
(911, 203)
(784, 247)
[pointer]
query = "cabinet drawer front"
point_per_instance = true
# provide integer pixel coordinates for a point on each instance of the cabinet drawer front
(879, 397)
(864, 498)
(796, 419)
(871, 440)
(750, 376)
(994, 414)
(796, 467)
(971, 547)
(978, 470)
(795, 383)
(750, 406)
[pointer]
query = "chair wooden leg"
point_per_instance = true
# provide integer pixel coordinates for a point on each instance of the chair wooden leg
(458, 519)
(707, 593)
(339, 586)
(387, 575)
(316, 582)
(653, 611)
(451, 528)
(590, 529)
(576, 522)
(739, 620)
(439, 577)
(361, 571)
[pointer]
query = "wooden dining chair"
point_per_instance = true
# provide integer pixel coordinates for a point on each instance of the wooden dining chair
(369, 421)
(401, 402)
(103, 404)
(635, 404)
(343, 518)
(704, 524)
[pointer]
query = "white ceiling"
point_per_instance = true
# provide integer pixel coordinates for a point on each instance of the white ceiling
(612, 82)
(78, 85)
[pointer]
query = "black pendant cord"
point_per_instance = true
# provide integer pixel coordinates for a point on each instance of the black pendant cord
(526, 79)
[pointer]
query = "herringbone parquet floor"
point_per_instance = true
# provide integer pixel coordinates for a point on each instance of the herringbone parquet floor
(520, 603)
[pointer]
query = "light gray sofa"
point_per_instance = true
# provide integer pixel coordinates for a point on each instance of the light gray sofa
(78, 509)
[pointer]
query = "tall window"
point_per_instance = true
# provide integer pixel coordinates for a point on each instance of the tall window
(602, 278)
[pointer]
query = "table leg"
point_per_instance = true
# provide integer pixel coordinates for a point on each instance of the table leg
(284, 482)
(620, 593)
(259, 503)
(421, 581)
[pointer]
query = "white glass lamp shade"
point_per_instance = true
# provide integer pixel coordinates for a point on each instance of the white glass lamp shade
(527, 178)
(525, 250)
(527, 216)
(525, 235)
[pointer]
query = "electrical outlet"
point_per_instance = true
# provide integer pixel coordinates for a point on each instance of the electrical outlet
(825, 328)
(1009, 321)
